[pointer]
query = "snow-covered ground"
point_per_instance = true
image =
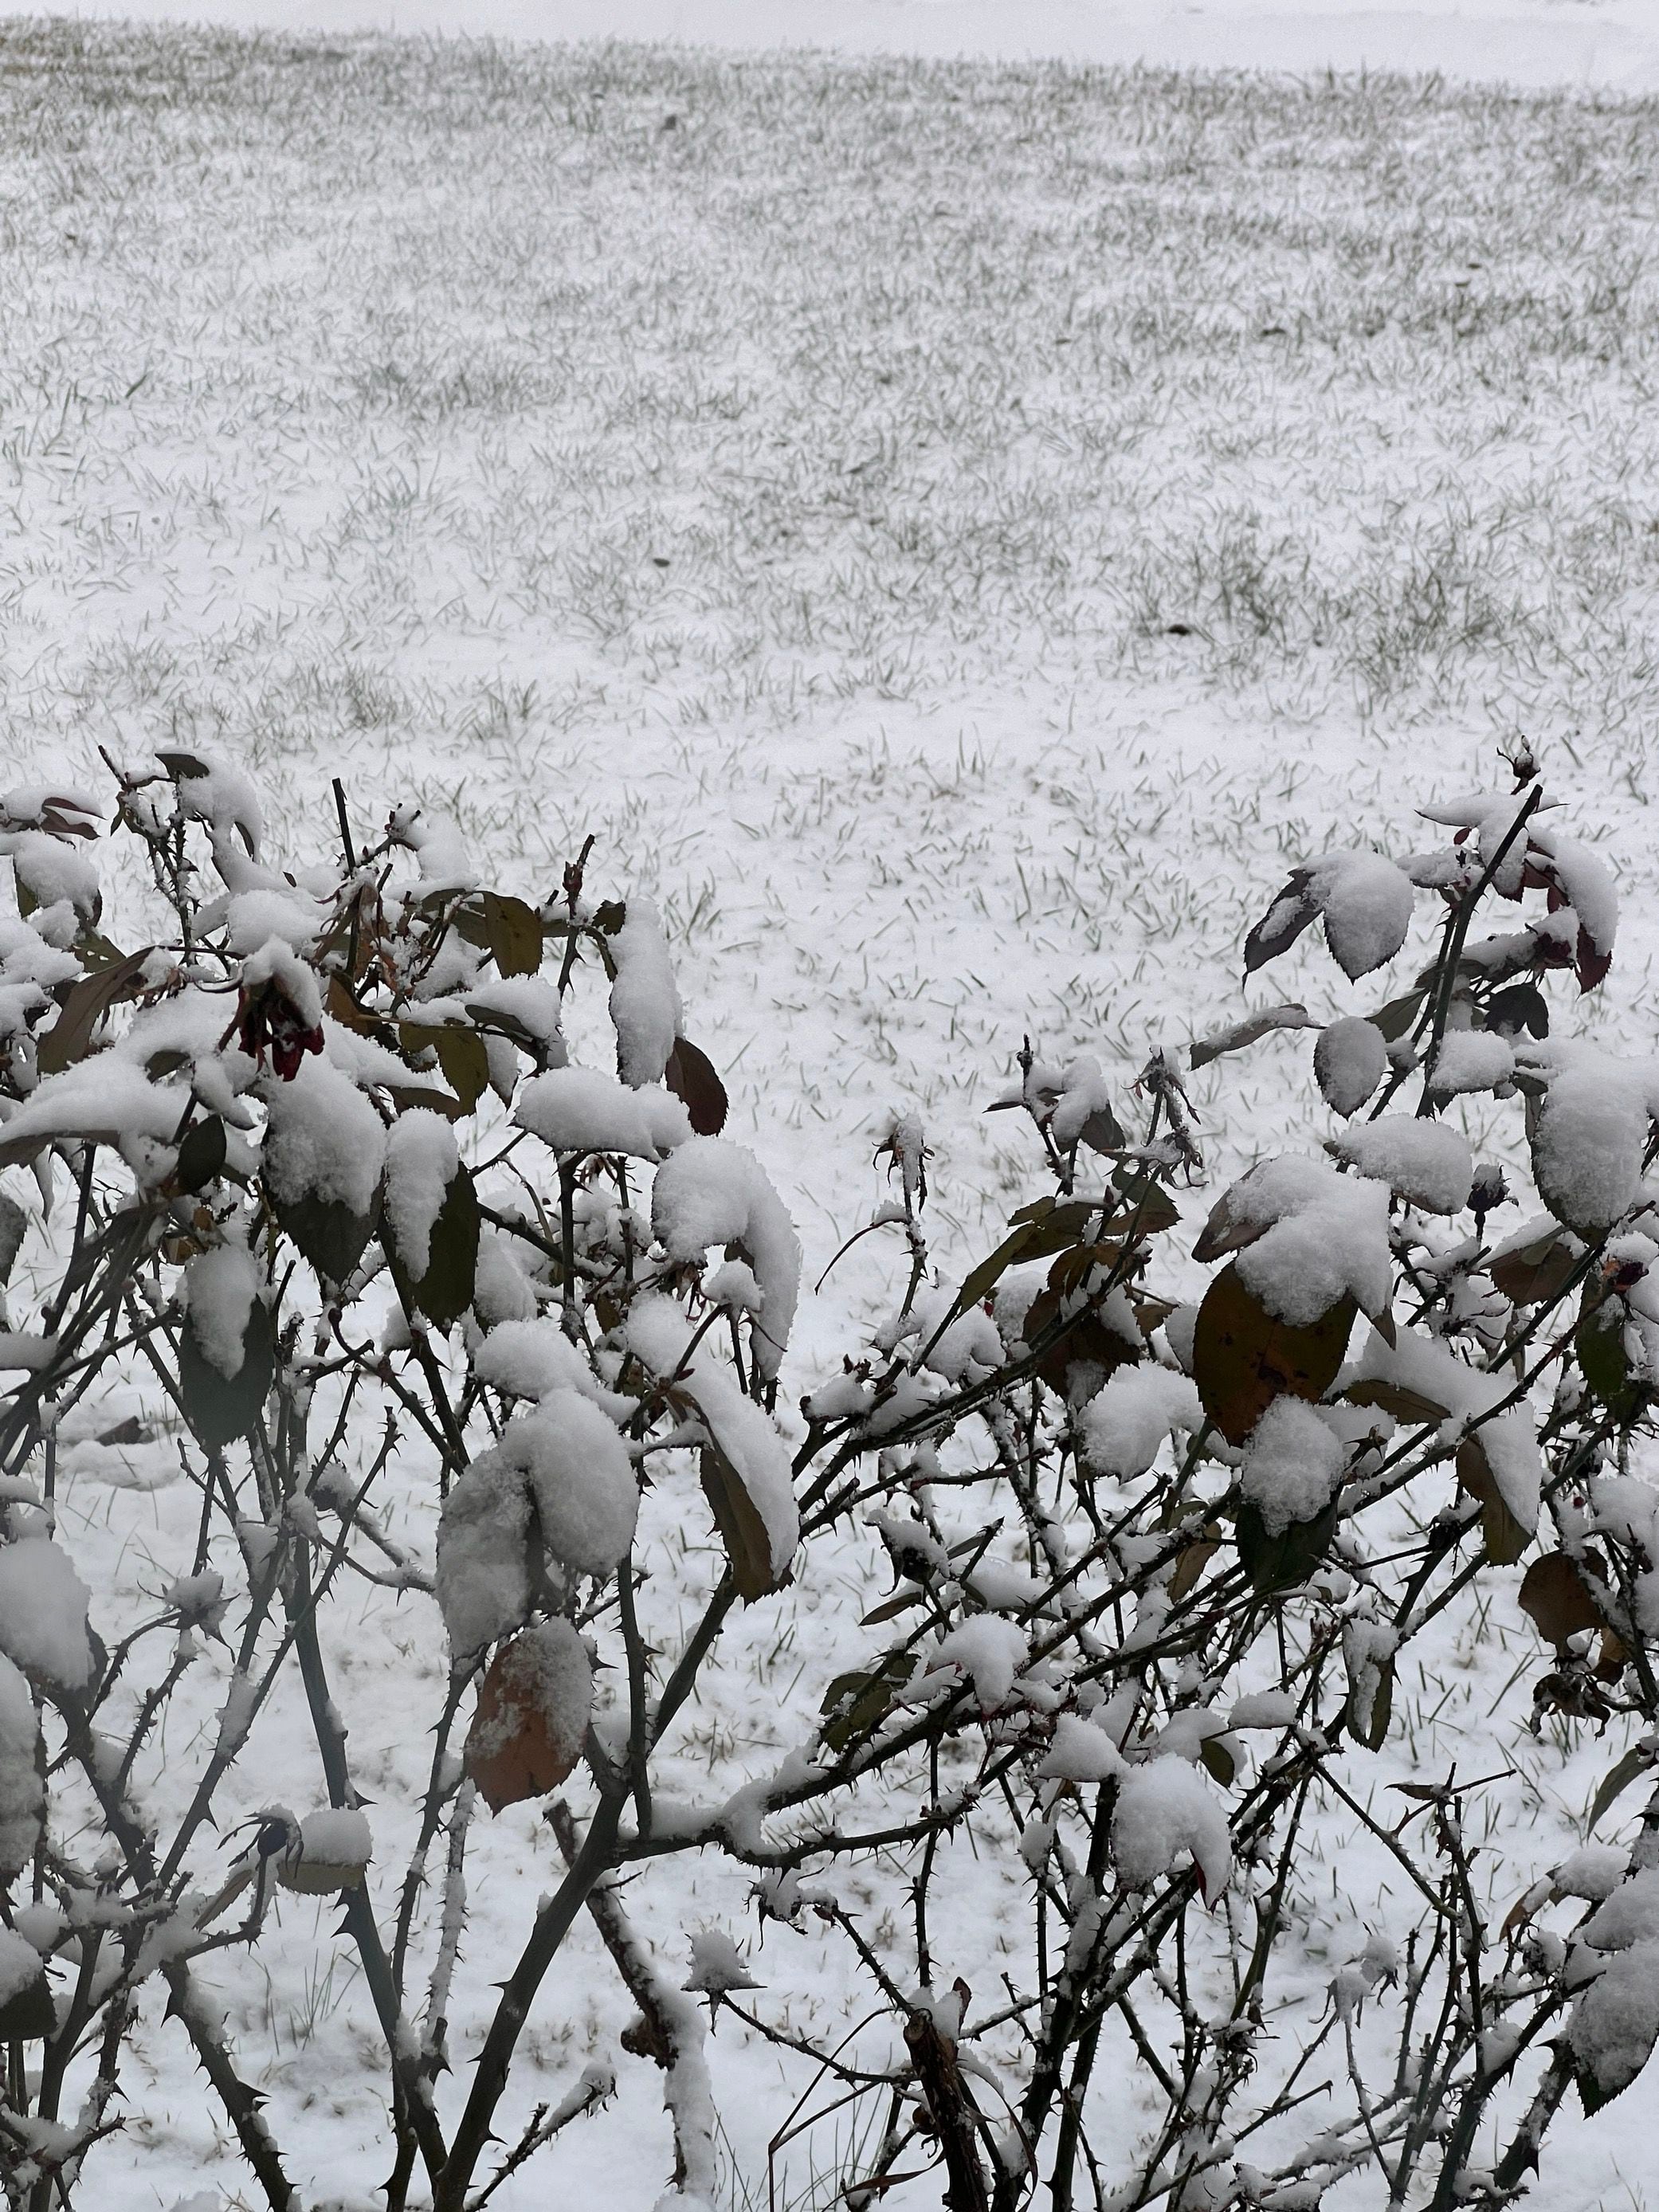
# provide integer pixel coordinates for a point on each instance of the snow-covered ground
(955, 535)
(1602, 43)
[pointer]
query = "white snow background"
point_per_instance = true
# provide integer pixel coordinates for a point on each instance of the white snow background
(955, 534)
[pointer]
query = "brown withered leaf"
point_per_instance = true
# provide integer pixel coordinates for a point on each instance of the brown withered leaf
(1556, 1599)
(1244, 1358)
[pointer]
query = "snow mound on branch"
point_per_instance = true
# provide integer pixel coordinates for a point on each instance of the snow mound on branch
(1080, 1752)
(645, 1004)
(578, 1109)
(1124, 1426)
(1423, 1161)
(1292, 1464)
(711, 1192)
(1166, 1808)
(717, 1966)
(421, 1161)
(990, 1651)
(324, 1139)
(43, 1612)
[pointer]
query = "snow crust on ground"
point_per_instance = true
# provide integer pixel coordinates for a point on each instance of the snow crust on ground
(958, 613)
(1609, 44)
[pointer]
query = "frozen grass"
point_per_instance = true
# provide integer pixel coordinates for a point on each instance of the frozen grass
(958, 534)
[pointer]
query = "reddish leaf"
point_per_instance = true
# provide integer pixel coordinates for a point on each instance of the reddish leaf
(533, 1707)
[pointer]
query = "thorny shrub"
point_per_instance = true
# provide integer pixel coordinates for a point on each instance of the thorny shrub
(317, 1167)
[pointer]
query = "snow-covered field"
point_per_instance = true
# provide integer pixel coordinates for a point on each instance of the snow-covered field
(954, 534)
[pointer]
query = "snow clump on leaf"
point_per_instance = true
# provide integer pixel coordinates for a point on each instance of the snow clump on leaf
(1350, 1059)
(1292, 1464)
(713, 1192)
(1129, 1419)
(43, 1614)
(1165, 1809)
(645, 1003)
(22, 1797)
(1306, 1238)
(1423, 1161)
(578, 1109)
(1590, 1139)
(325, 1140)
(1366, 905)
(421, 1161)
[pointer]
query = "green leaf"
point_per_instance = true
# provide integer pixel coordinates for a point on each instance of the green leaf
(742, 1531)
(28, 2015)
(1599, 1342)
(1397, 1017)
(221, 1408)
(201, 1153)
(855, 1704)
(462, 1054)
(1505, 1537)
(1615, 1782)
(1244, 1357)
(14, 1227)
(1249, 1031)
(1285, 1561)
(1556, 1599)
(445, 1291)
(514, 933)
(1218, 1761)
(1538, 1272)
(324, 1230)
(1371, 1728)
(1142, 1198)
(70, 1036)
